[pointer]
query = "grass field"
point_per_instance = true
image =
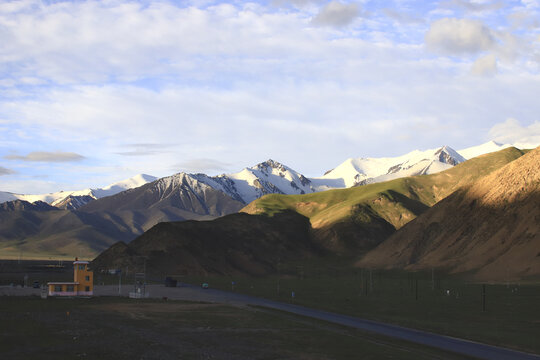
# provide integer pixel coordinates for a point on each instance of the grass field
(119, 328)
(446, 305)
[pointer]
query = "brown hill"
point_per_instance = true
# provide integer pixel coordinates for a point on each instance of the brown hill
(491, 228)
(42, 231)
(233, 244)
(350, 222)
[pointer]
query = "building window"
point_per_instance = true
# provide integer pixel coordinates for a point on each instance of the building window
(57, 288)
(87, 288)
(70, 288)
(81, 267)
(87, 278)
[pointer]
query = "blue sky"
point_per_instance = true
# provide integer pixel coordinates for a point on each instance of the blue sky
(92, 92)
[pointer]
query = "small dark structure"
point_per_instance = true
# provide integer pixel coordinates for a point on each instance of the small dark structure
(170, 282)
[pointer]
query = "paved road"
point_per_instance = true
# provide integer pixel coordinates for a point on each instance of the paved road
(192, 293)
(460, 346)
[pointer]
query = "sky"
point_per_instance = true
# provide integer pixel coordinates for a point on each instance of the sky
(93, 92)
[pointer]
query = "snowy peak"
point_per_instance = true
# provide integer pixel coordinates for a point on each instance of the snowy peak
(361, 171)
(270, 165)
(490, 146)
(447, 155)
(273, 177)
(73, 202)
(75, 199)
(115, 188)
(178, 182)
(268, 177)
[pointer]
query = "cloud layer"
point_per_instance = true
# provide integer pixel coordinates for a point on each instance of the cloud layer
(4, 171)
(126, 87)
(512, 132)
(336, 14)
(453, 36)
(46, 156)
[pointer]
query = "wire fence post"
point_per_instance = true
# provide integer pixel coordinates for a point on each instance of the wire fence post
(483, 297)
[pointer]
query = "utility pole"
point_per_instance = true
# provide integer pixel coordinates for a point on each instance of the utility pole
(483, 297)
(279, 274)
(366, 287)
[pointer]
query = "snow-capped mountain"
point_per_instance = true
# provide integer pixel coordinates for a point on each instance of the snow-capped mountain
(172, 198)
(75, 199)
(490, 146)
(361, 171)
(269, 177)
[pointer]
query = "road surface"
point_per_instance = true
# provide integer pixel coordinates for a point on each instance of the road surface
(193, 293)
(460, 346)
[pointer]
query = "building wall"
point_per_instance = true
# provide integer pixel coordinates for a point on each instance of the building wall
(83, 282)
(62, 289)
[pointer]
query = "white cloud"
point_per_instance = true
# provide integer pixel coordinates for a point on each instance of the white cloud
(144, 149)
(485, 66)
(531, 4)
(403, 17)
(473, 6)
(47, 156)
(337, 14)
(512, 132)
(300, 3)
(451, 36)
(5, 171)
(202, 165)
(527, 19)
(97, 41)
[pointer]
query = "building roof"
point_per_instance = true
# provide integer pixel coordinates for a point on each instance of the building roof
(81, 262)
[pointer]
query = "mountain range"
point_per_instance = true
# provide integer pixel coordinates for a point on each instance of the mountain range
(491, 222)
(84, 223)
(272, 177)
(75, 199)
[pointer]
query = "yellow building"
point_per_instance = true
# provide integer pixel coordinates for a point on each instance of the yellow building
(82, 285)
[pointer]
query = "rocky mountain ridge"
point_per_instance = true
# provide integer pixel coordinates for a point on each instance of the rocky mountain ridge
(272, 177)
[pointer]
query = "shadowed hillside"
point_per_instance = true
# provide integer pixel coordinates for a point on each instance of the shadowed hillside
(357, 219)
(39, 230)
(491, 228)
(237, 243)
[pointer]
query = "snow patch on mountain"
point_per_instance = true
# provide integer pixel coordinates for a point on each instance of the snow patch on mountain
(360, 171)
(80, 197)
(272, 177)
(269, 177)
(181, 182)
(131, 183)
(489, 147)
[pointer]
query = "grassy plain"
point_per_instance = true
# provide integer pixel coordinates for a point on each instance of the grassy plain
(443, 304)
(119, 328)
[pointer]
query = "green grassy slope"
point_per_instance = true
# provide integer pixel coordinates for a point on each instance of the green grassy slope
(360, 217)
